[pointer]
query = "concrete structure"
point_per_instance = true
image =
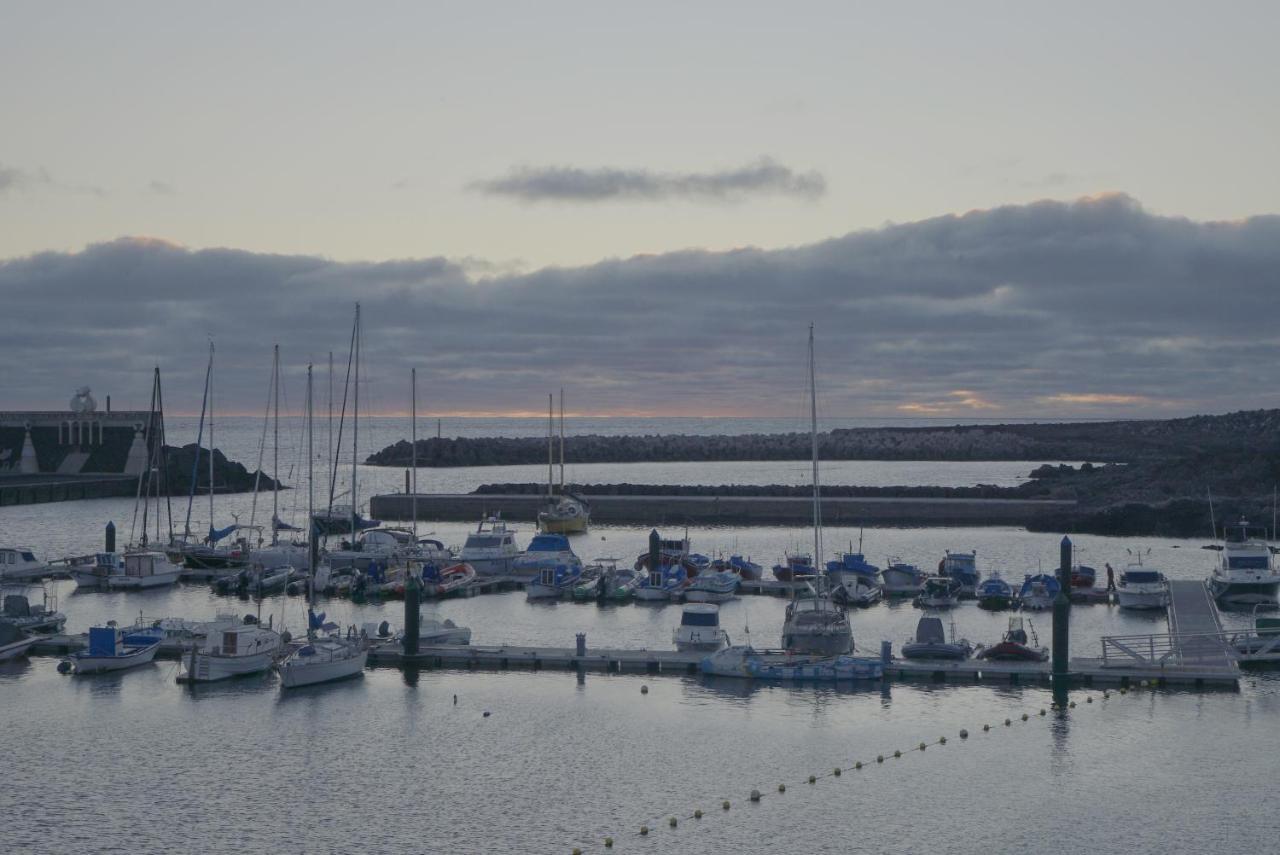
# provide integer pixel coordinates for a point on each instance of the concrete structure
(81, 440)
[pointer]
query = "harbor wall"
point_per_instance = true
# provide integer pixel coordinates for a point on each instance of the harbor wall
(37, 489)
(726, 510)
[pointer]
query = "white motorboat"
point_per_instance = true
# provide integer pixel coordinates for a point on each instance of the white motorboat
(93, 573)
(491, 548)
(21, 565)
(940, 592)
(545, 551)
(1142, 587)
(713, 586)
(144, 570)
(13, 641)
(45, 618)
(1245, 574)
(430, 631)
(111, 649)
(858, 590)
(902, 579)
(1037, 592)
(383, 546)
(700, 628)
(231, 651)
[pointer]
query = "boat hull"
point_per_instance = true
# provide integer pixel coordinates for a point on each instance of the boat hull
(210, 669)
(917, 650)
(14, 649)
(102, 664)
(122, 582)
(1251, 593)
(1151, 600)
(294, 675)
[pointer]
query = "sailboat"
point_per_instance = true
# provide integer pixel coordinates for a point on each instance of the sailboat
(815, 623)
(278, 554)
(329, 656)
(565, 513)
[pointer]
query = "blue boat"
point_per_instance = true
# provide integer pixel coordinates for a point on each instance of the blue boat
(1038, 591)
(110, 649)
(995, 593)
(545, 551)
(963, 567)
(665, 583)
(554, 582)
(713, 586)
(850, 567)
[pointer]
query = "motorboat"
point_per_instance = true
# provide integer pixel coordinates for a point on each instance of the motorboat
(544, 551)
(565, 514)
(20, 565)
(700, 628)
(231, 651)
(620, 583)
(441, 582)
(591, 584)
(814, 624)
(902, 579)
(142, 570)
(379, 579)
(13, 641)
(111, 649)
(430, 632)
(672, 551)
(994, 593)
(326, 656)
(1083, 576)
(963, 568)
(383, 546)
(328, 579)
(491, 548)
(743, 661)
(1037, 592)
(18, 610)
(715, 586)
(663, 584)
(1142, 587)
(940, 592)
(931, 642)
(92, 573)
(554, 582)
(1015, 646)
(1265, 638)
(857, 590)
(269, 580)
(1245, 574)
(850, 567)
(795, 566)
(744, 567)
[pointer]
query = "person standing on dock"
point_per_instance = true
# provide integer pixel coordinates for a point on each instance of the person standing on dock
(1111, 578)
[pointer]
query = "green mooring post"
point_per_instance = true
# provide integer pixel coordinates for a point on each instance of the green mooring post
(1061, 624)
(411, 616)
(655, 551)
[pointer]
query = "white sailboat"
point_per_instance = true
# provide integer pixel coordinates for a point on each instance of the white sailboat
(564, 513)
(815, 623)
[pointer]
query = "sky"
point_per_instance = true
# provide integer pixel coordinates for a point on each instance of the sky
(989, 209)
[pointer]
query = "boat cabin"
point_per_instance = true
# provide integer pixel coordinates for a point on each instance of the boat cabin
(700, 615)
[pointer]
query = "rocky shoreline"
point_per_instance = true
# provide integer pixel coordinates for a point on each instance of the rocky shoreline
(229, 476)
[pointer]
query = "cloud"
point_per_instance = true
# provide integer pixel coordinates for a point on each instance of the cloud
(571, 184)
(13, 178)
(161, 188)
(1094, 306)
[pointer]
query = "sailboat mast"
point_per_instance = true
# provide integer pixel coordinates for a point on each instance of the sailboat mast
(311, 499)
(413, 454)
(562, 442)
(551, 452)
(330, 458)
(813, 435)
(275, 452)
(210, 440)
(355, 426)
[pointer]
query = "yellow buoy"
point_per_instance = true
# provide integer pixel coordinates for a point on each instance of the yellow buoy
(697, 814)
(644, 829)
(782, 788)
(725, 804)
(672, 822)
(608, 843)
(812, 779)
(836, 771)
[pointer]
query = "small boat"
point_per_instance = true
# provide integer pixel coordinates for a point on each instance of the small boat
(816, 625)
(744, 661)
(1083, 576)
(451, 580)
(386, 546)
(902, 579)
(491, 548)
(325, 657)
(665, 583)
(333, 580)
(1245, 574)
(545, 551)
(144, 570)
(1265, 637)
(231, 651)
(940, 592)
(13, 641)
(430, 632)
(1142, 588)
(1014, 646)
(111, 649)
(46, 618)
(591, 585)
(94, 573)
(620, 583)
(794, 567)
(744, 567)
(858, 590)
(700, 628)
(20, 565)
(554, 582)
(378, 580)
(931, 641)
(994, 593)
(850, 567)
(963, 568)
(675, 552)
(1037, 592)
(567, 514)
(715, 586)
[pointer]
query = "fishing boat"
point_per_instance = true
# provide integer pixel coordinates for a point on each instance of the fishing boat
(1015, 646)
(670, 551)
(744, 661)
(857, 590)
(111, 649)
(795, 566)
(545, 551)
(902, 579)
(554, 582)
(744, 567)
(1142, 587)
(851, 566)
(713, 586)
(1246, 574)
(930, 641)
(144, 570)
(994, 593)
(563, 513)
(940, 592)
(699, 628)
(1083, 576)
(491, 548)
(620, 583)
(441, 582)
(430, 632)
(45, 618)
(962, 567)
(1037, 592)
(13, 641)
(661, 585)
(92, 573)
(20, 565)
(232, 651)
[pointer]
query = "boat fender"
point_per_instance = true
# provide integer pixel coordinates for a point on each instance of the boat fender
(64, 667)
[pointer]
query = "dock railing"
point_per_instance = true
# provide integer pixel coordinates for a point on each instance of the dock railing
(1189, 649)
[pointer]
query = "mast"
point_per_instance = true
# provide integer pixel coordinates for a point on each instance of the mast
(355, 425)
(311, 505)
(331, 462)
(813, 435)
(211, 443)
(413, 463)
(562, 442)
(551, 452)
(164, 471)
(275, 452)
(195, 463)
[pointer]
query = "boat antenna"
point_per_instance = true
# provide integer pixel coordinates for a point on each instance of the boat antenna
(413, 456)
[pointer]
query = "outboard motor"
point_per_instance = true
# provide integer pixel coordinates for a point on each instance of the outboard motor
(250, 620)
(384, 630)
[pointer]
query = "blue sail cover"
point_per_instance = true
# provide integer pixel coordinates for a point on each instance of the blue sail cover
(216, 534)
(315, 621)
(280, 525)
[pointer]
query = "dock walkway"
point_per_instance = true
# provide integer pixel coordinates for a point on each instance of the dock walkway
(1193, 621)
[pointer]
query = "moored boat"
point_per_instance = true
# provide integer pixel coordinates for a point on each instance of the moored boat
(930, 641)
(963, 568)
(1142, 587)
(13, 641)
(18, 564)
(857, 590)
(744, 567)
(437, 582)
(111, 649)
(19, 611)
(902, 579)
(1245, 574)
(1037, 592)
(491, 548)
(545, 551)
(144, 569)
(231, 651)
(744, 661)
(994, 593)
(795, 566)
(717, 586)
(940, 592)
(1016, 646)
(663, 584)
(700, 628)
(554, 582)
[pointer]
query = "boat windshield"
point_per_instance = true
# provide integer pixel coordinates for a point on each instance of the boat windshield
(1141, 577)
(479, 541)
(1247, 562)
(699, 619)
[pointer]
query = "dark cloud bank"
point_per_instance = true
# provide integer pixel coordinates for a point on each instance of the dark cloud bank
(1035, 309)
